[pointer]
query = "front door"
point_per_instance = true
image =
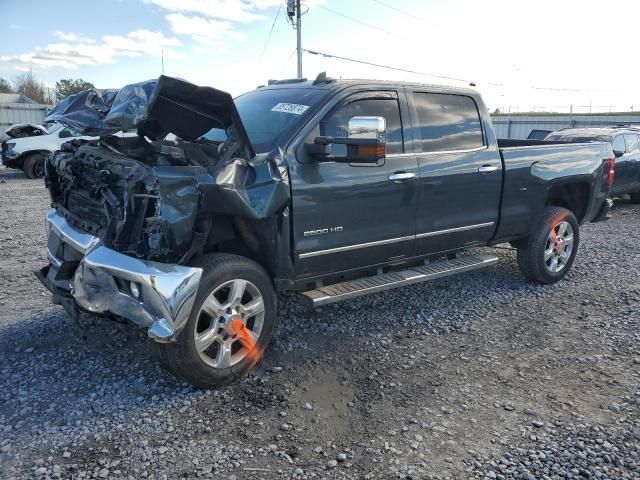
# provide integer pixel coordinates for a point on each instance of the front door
(348, 216)
(460, 175)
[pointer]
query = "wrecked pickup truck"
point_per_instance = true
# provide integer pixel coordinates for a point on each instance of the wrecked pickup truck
(333, 188)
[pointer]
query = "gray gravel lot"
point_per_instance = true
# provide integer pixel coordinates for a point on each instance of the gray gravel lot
(482, 375)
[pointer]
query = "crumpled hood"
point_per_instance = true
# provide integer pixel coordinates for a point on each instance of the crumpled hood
(155, 108)
(22, 130)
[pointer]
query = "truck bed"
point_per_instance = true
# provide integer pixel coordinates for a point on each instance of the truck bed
(533, 167)
(512, 142)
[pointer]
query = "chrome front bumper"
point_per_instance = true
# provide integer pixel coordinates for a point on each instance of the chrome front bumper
(98, 280)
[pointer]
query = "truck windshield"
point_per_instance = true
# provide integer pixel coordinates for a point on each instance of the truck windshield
(267, 114)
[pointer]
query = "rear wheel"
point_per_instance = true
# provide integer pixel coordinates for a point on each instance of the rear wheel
(635, 198)
(33, 166)
(551, 249)
(231, 323)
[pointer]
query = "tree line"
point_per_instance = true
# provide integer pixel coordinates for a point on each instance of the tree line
(29, 85)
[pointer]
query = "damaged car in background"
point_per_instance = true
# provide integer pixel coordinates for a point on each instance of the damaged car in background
(189, 228)
(28, 145)
(21, 130)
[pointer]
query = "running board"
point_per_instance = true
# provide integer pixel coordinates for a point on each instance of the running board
(385, 281)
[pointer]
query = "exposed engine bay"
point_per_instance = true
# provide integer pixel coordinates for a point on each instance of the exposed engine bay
(157, 198)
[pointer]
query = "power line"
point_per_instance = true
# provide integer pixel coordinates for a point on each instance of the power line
(313, 52)
(573, 90)
(264, 48)
(360, 22)
(415, 17)
(288, 58)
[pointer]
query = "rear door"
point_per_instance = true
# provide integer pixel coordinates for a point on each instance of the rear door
(460, 173)
(348, 216)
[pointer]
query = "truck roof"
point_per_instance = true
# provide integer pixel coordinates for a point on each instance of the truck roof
(600, 132)
(327, 83)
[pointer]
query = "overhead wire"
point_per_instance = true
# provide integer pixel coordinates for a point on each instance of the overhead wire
(388, 67)
(411, 15)
(264, 47)
(359, 21)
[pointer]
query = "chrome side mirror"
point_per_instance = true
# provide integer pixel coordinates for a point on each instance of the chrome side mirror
(366, 142)
(374, 128)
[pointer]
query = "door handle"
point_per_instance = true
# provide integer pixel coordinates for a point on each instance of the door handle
(400, 176)
(487, 169)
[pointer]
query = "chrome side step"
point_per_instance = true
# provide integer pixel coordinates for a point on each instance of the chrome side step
(385, 281)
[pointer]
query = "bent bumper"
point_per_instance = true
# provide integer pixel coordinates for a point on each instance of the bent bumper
(84, 273)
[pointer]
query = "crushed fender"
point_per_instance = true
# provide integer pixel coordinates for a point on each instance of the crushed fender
(165, 193)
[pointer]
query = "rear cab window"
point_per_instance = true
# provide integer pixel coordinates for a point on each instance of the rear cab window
(448, 122)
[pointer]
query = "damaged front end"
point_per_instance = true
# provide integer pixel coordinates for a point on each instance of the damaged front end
(130, 213)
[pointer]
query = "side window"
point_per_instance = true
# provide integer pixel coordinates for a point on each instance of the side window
(618, 143)
(448, 122)
(68, 132)
(336, 123)
(632, 142)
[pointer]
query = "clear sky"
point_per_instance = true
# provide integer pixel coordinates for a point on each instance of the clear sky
(544, 53)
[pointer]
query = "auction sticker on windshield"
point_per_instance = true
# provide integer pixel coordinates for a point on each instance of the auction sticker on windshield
(293, 108)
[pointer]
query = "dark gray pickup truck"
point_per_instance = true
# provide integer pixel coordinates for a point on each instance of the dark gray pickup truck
(331, 188)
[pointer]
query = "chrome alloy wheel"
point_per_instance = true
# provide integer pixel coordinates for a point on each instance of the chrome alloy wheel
(229, 323)
(559, 246)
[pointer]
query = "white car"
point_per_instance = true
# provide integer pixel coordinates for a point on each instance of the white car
(27, 153)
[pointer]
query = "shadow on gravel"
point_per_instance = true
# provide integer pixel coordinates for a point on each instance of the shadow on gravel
(9, 174)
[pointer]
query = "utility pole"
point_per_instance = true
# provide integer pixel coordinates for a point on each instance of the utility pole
(293, 10)
(299, 32)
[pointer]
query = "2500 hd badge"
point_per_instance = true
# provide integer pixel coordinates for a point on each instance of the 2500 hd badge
(322, 231)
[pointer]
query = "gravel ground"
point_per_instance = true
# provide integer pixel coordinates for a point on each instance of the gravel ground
(483, 375)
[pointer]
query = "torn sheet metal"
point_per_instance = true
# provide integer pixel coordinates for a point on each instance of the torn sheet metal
(250, 190)
(155, 108)
(83, 111)
(189, 111)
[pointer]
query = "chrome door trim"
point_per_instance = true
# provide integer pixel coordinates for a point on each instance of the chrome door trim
(454, 230)
(465, 150)
(393, 240)
(355, 247)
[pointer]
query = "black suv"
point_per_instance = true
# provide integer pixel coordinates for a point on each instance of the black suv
(626, 146)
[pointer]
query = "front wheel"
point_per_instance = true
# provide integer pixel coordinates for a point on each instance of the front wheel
(33, 166)
(231, 323)
(551, 249)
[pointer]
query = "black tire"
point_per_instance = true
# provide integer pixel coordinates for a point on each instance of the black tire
(183, 359)
(531, 255)
(635, 198)
(33, 166)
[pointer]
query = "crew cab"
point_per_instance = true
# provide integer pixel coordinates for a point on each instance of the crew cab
(332, 188)
(625, 141)
(27, 153)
